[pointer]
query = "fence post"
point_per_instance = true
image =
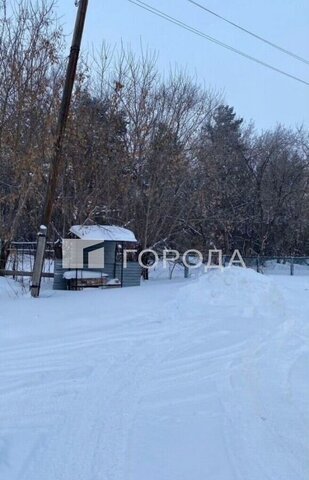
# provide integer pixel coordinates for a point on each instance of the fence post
(38, 264)
(186, 272)
(292, 266)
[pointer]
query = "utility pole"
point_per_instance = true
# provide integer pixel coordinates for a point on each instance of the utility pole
(39, 261)
(61, 125)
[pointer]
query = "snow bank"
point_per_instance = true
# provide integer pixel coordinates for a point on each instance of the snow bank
(230, 287)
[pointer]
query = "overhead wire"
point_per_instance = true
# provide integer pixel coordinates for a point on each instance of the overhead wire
(255, 35)
(194, 30)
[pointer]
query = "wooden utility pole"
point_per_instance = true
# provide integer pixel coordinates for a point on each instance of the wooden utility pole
(61, 125)
(39, 262)
(64, 110)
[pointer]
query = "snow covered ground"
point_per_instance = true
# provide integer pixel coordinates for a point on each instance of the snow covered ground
(194, 379)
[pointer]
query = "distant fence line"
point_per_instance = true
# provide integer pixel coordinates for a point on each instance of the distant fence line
(287, 263)
(261, 263)
(21, 259)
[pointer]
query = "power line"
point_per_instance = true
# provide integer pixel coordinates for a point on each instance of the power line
(181, 24)
(255, 35)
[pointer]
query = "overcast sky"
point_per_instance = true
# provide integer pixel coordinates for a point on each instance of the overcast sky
(256, 92)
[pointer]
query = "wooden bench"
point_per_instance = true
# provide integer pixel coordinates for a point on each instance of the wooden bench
(79, 283)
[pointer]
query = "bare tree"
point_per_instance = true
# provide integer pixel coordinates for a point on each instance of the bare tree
(30, 42)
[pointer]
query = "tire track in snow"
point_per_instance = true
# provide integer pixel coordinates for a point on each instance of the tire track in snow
(99, 421)
(248, 398)
(98, 425)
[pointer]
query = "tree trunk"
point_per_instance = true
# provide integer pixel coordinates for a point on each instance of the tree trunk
(4, 254)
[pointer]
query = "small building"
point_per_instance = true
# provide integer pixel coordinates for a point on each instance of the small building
(113, 272)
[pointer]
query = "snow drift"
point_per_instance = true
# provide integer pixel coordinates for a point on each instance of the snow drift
(231, 287)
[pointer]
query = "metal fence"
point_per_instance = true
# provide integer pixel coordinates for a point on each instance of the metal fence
(21, 257)
(276, 265)
(22, 254)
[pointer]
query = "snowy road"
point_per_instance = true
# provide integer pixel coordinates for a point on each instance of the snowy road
(182, 380)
